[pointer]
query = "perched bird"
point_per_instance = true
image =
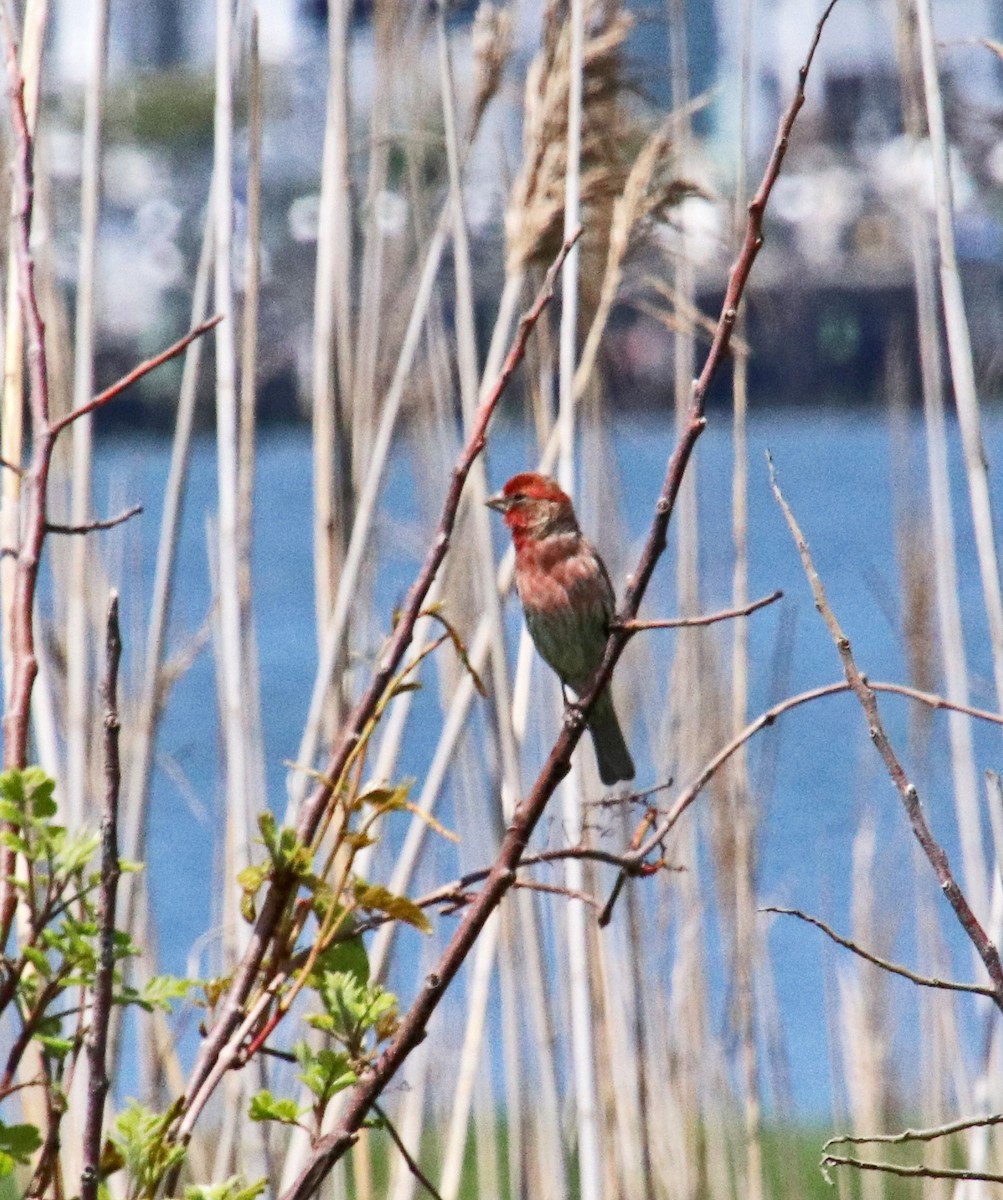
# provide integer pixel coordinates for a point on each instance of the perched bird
(567, 599)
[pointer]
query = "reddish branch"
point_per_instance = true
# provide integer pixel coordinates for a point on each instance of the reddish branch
(137, 373)
(412, 1028)
(97, 1038)
(217, 1054)
(44, 431)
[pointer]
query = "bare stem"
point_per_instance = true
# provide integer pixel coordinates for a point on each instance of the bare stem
(883, 963)
(907, 791)
(97, 1038)
(92, 526)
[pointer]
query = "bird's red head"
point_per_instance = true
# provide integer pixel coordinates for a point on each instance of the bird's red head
(534, 506)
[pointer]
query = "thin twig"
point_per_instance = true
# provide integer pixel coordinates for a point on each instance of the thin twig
(412, 1166)
(883, 963)
(906, 789)
(916, 1135)
(633, 861)
(727, 614)
(137, 373)
(9, 466)
(97, 1039)
(91, 526)
(909, 1172)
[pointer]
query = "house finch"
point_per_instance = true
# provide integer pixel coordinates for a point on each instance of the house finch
(567, 599)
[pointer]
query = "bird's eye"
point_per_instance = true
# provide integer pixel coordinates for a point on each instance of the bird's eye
(519, 498)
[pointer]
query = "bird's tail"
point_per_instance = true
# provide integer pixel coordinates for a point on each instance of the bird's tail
(613, 756)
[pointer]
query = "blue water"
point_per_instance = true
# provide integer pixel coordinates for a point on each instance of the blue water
(837, 473)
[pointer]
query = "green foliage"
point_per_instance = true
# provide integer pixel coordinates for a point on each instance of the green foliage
(352, 1010)
(325, 1072)
(266, 1107)
(47, 975)
(139, 1136)
(17, 1144)
(233, 1189)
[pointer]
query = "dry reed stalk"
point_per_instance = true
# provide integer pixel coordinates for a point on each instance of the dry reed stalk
(228, 612)
(249, 329)
(12, 424)
(746, 950)
(469, 1061)
(142, 741)
(332, 347)
(963, 379)
(79, 706)
(410, 1121)
(390, 21)
(949, 621)
(580, 985)
(528, 947)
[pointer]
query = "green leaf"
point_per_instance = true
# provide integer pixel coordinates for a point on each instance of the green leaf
(17, 1144)
(266, 1107)
(38, 960)
(76, 852)
(347, 957)
(325, 1072)
(162, 989)
(233, 1189)
(58, 1047)
(139, 1136)
(387, 799)
(376, 898)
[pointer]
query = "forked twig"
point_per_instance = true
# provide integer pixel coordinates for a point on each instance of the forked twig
(860, 687)
(634, 860)
(908, 1171)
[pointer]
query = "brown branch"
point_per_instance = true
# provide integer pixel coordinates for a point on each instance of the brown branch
(893, 968)
(915, 1135)
(137, 373)
(529, 811)
(97, 1038)
(215, 1051)
(91, 526)
(727, 614)
(553, 889)
(906, 789)
(9, 466)
(907, 1171)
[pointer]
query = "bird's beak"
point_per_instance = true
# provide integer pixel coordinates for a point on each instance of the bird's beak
(499, 502)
